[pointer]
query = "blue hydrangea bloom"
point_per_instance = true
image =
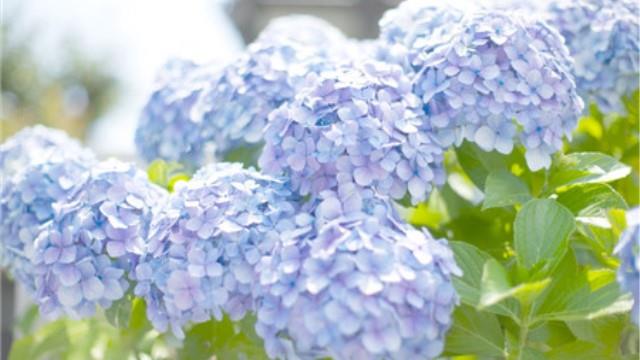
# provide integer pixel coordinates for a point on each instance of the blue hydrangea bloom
(628, 249)
(204, 244)
(490, 68)
(198, 112)
(603, 38)
(40, 167)
(31, 146)
(355, 282)
(167, 128)
(359, 124)
(413, 22)
(269, 73)
(80, 258)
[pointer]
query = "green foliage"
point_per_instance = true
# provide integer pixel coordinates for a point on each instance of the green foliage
(502, 188)
(167, 174)
(223, 339)
(541, 233)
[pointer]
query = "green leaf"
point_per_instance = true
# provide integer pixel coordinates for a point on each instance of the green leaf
(223, 339)
(496, 287)
(502, 188)
(586, 167)
(578, 350)
(541, 232)
(167, 174)
(478, 163)
(175, 178)
(471, 260)
(138, 315)
(591, 200)
(202, 340)
(28, 319)
(119, 312)
(577, 293)
(248, 155)
(157, 172)
(609, 332)
(475, 332)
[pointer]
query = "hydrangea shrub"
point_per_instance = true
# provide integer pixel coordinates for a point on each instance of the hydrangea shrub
(419, 195)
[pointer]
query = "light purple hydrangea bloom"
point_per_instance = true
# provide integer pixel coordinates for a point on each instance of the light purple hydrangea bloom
(355, 282)
(199, 112)
(204, 244)
(40, 167)
(80, 258)
(494, 77)
(269, 73)
(360, 125)
(603, 38)
(167, 128)
(628, 249)
(413, 22)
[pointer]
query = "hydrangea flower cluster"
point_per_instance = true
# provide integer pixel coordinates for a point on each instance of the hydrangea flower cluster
(413, 22)
(204, 244)
(81, 257)
(167, 128)
(359, 124)
(271, 71)
(31, 146)
(479, 75)
(40, 167)
(356, 282)
(603, 38)
(628, 249)
(198, 112)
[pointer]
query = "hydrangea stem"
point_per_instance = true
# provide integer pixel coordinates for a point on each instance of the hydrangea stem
(524, 332)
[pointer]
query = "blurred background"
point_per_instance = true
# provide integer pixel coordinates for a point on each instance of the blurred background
(87, 67)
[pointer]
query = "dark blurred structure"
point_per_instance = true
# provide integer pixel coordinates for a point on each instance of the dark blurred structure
(356, 18)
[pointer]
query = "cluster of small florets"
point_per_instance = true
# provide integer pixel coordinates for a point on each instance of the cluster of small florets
(40, 167)
(167, 128)
(361, 125)
(411, 24)
(80, 258)
(204, 244)
(355, 282)
(628, 250)
(480, 78)
(602, 37)
(198, 112)
(269, 73)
